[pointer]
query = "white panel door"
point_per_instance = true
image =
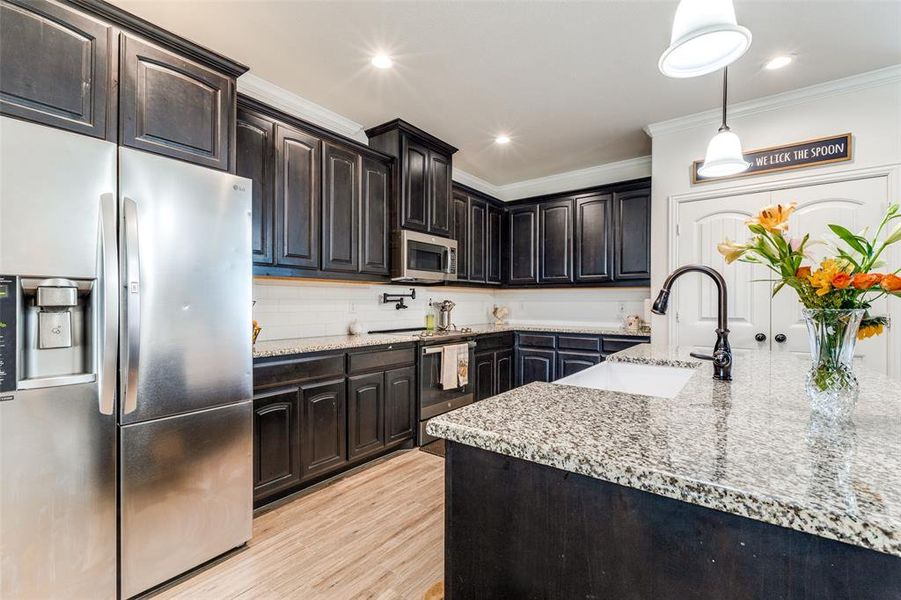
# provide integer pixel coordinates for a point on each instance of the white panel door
(853, 204)
(702, 225)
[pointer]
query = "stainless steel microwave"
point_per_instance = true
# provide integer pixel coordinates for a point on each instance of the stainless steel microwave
(423, 258)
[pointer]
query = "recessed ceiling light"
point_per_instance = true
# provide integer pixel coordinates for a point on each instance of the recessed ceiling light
(382, 61)
(502, 139)
(777, 63)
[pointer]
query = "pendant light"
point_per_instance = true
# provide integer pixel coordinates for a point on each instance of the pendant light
(724, 156)
(705, 37)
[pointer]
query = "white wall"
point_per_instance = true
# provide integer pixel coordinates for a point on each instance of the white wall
(305, 308)
(868, 106)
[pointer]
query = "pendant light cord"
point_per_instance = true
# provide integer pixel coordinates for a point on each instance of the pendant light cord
(725, 127)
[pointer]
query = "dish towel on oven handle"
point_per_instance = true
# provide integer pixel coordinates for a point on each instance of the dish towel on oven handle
(454, 366)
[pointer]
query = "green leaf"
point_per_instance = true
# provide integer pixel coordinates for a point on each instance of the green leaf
(756, 228)
(849, 238)
(778, 287)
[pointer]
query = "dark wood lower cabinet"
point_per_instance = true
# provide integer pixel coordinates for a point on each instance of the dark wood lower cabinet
(569, 363)
(484, 370)
(400, 404)
(323, 428)
(503, 369)
(365, 414)
(276, 452)
(535, 365)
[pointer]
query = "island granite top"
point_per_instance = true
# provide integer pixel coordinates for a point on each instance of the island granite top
(750, 447)
(343, 342)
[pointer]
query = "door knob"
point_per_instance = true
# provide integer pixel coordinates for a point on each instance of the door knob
(780, 338)
(760, 337)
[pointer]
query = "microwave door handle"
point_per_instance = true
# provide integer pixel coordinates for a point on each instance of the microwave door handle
(109, 314)
(132, 306)
(447, 261)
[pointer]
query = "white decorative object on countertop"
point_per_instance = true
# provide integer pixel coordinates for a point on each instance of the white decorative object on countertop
(500, 314)
(355, 328)
(632, 323)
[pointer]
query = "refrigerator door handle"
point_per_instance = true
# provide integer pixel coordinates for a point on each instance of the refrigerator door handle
(109, 316)
(132, 281)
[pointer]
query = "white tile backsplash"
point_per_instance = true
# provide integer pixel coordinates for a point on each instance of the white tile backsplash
(304, 308)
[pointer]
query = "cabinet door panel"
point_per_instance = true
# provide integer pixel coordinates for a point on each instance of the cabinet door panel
(573, 362)
(439, 193)
(477, 239)
(536, 365)
(461, 234)
(297, 198)
(494, 245)
(57, 67)
(504, 371)
(484, 373)
(365, 414)
(555, 242)
(254, 160)
(523, 244)
(594, 240)
(173, 106)
(276, 444)
(416, 186)
(323, 427)
(374, 218)
(400, 403)
(633, 235)
(340, 227)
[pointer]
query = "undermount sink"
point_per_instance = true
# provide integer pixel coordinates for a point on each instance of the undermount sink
(644, 380)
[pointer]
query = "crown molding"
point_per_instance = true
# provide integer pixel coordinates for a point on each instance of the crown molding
(289, 102)
(803, 95)
(623, 170)
(477, 183)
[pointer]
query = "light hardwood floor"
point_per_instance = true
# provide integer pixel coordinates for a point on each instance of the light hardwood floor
(376, 534)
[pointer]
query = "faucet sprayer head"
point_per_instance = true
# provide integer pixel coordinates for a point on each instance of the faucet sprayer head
(660, 304)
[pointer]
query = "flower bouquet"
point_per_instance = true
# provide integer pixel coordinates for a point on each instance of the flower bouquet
(837, 294)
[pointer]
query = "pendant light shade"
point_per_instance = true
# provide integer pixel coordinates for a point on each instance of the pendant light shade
(706, 37)
(724, 156)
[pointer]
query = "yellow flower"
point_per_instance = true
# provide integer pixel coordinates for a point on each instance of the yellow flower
(774, 218)
(731, 250)
(821, 279)
(869, 331)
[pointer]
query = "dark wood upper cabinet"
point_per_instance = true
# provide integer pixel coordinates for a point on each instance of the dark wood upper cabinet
(374, 211)
(255, 149)
(59, 67)
(461, 233)
(323, 428)
(478, 221)
(400, 404)
(494, 245)
(594, 238)
(523, 244)
(555, 222)
(439, 193)
(341, 200)
(174, 106)
(276, 438)
(365, 414)
(423, 176)
(632, 234)
(297, 197)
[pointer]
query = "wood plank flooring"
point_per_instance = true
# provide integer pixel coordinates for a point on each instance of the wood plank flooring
(376, 534)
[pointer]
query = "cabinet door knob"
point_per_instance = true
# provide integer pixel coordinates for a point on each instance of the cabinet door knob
(760, 337)
(780, 338)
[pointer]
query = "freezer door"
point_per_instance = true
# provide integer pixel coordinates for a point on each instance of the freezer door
(186, 492)
(186, 275)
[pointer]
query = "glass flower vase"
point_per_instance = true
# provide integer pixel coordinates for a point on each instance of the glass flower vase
(831, 385)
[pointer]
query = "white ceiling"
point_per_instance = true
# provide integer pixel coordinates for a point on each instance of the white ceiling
(572, 83)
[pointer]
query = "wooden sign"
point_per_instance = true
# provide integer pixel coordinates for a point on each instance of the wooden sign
(798, 155)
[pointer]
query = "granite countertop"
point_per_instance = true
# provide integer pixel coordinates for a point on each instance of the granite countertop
(750, 447)
(288, 347)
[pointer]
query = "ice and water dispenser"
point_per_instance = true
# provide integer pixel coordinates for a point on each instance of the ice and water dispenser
(46, 333)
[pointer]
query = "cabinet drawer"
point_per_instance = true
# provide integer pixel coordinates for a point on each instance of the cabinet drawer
(487, 343)
(536, 340)
(584, 343)
(296, 370)
(615, 344)
(380, 360)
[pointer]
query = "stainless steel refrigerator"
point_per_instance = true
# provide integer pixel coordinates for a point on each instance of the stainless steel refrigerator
(125, 365)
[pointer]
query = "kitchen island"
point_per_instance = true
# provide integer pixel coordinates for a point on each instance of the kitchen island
(726, 490)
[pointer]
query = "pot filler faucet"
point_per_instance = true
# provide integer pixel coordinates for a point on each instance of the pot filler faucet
(722, 353)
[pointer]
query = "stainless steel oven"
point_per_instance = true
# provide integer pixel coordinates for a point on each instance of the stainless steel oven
(423, 258)
(433, 399)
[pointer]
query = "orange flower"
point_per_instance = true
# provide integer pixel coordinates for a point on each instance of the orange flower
(841, 281)
(775, 218)
(803, 273)
(869, 331)
(867, 281)
(891, 283)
